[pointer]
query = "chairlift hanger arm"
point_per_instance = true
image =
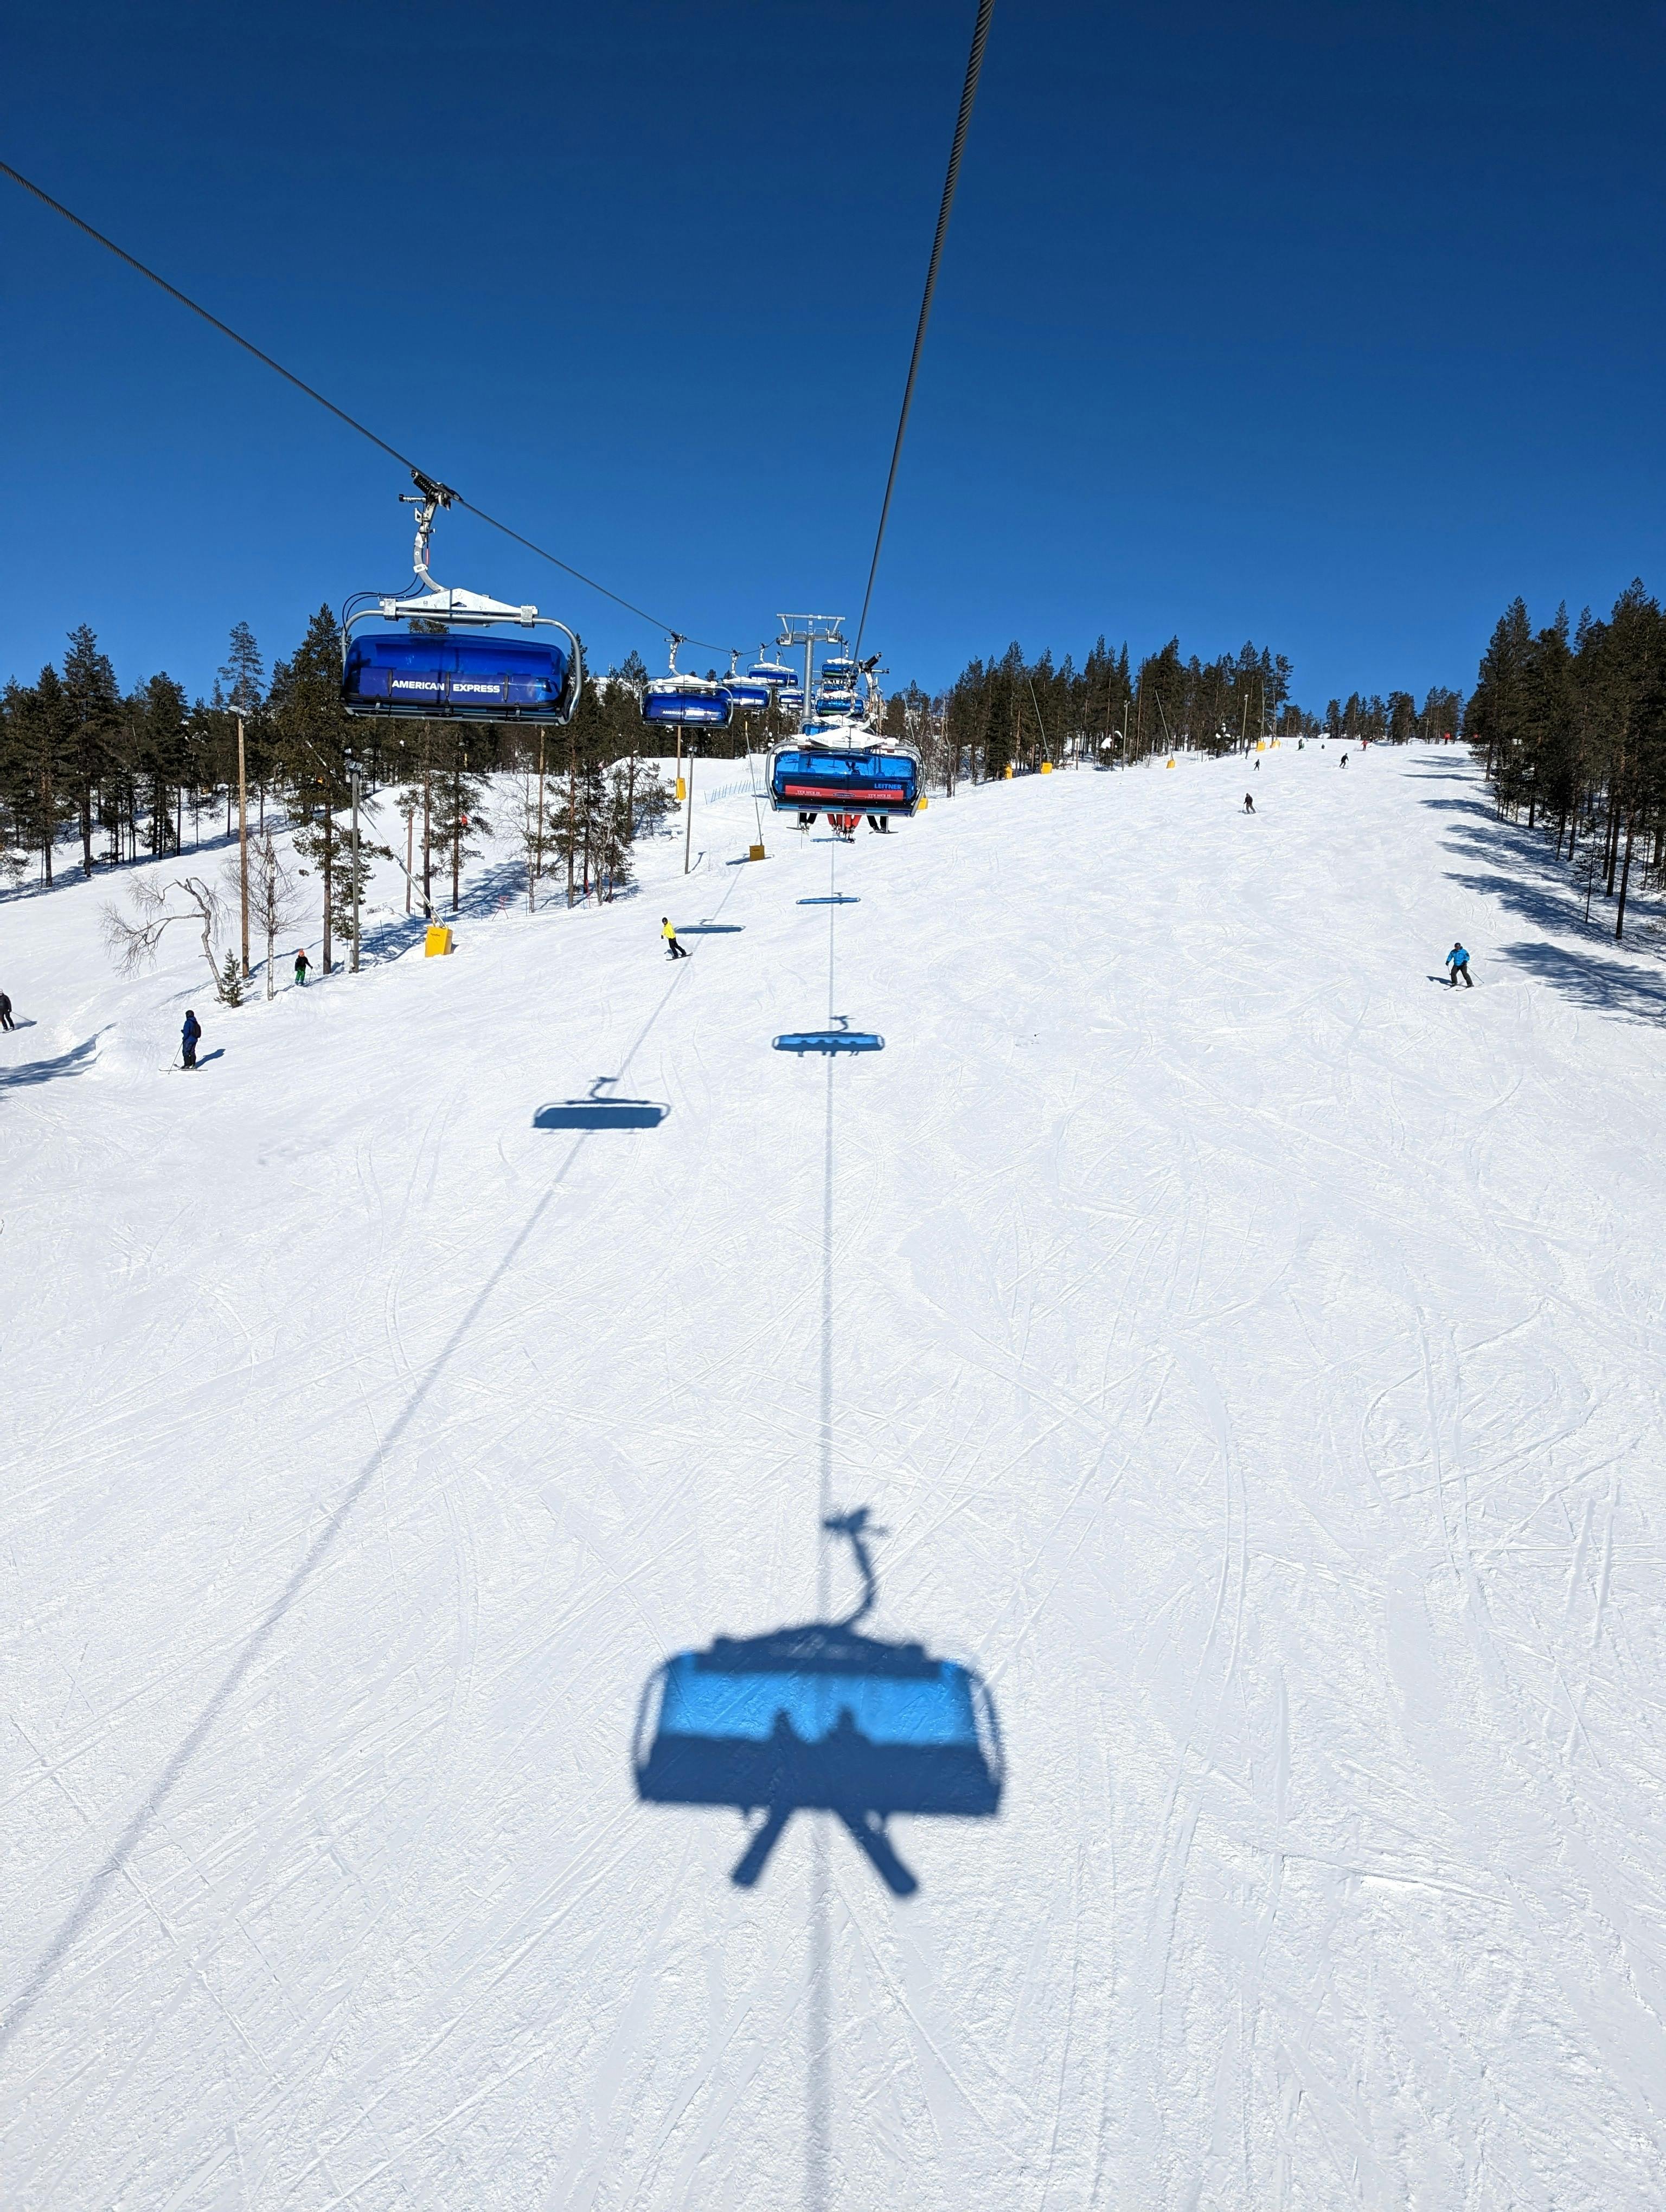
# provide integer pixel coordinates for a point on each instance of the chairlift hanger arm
(854, 1526)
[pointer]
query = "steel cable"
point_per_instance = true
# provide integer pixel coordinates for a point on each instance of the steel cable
(968, 95)
(342, 415)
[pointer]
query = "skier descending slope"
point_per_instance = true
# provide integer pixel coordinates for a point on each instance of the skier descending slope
(675, 951)
(1248, 804)
(189, 1036)
(1458, 961)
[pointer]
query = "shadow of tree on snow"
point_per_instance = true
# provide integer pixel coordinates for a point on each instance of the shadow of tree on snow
(1610, 986)
(73, 1062)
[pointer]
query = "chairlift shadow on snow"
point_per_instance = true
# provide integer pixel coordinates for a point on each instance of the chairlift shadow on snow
(600, 1111)
(819, 1717)
(711, 928)
(839, 1038)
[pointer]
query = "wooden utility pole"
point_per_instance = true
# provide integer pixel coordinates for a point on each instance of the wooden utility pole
(572, 810)
(354, 772)
(538, 868)
(428, 832)
(458, 766)
(243, 840)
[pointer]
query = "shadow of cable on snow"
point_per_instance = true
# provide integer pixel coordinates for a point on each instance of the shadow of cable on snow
(1608, 986)
(115, 1860)
(78, 1058)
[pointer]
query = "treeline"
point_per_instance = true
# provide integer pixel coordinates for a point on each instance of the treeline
(92, 776)
(114, 777)
(1570, 725)
(1016, 713)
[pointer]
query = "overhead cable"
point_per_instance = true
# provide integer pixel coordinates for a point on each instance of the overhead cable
(968, 95)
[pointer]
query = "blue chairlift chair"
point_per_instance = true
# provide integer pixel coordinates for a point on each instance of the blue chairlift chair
(688, 701)
(453, 663)
(816, 773)
(750, 694)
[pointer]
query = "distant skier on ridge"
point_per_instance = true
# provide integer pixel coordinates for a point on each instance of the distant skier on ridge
(1458, 961)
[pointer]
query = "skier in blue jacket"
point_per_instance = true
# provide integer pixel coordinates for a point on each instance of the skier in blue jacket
(188, 1037)
(1458, 961)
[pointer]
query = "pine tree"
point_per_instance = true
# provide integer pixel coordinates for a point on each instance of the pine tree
(457, 785)
(39, 726)
(310, 732)
(243, 678)
(93, 707)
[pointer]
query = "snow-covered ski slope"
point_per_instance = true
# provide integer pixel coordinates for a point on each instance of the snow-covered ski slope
(1252, 1352)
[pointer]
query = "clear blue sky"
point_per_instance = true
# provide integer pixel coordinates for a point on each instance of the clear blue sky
(1334, 326)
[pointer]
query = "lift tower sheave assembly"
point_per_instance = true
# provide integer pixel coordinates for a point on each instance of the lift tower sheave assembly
(809, 631)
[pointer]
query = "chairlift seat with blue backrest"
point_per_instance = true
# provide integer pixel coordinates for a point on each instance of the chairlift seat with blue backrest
(751, 695)
(805, 778)
(839, 670)
(460, 675)
(822, 1717)
(687, 700)
(773, 672)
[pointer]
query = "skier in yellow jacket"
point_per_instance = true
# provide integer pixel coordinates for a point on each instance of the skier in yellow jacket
(672, 947)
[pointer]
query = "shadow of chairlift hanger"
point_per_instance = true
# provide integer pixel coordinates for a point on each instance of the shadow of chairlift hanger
(601, 1112)
(820, 1717)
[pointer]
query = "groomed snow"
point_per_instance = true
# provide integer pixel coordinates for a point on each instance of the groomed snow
(1253, 1351)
